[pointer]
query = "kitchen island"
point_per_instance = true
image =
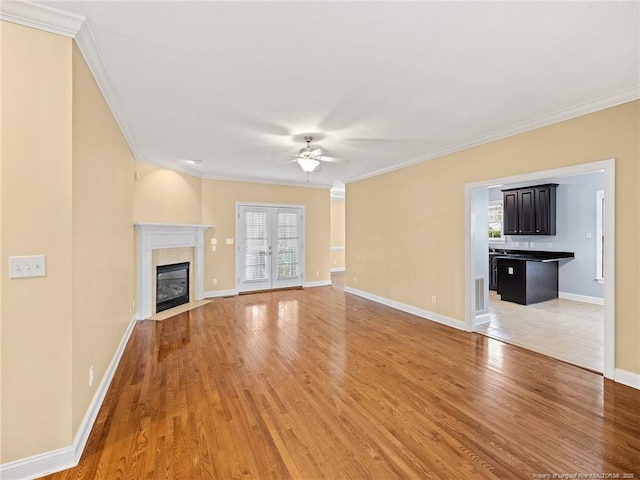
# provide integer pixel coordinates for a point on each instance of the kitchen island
(526, 277)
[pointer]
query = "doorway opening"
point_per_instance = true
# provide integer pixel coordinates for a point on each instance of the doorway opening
(477, 261)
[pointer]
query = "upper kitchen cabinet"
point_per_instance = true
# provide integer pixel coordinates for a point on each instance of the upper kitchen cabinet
(530, 210)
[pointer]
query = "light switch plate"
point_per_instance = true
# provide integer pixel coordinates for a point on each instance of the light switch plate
(28, 266)
(229, 241)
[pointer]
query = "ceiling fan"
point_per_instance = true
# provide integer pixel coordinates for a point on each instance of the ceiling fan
(310, 157)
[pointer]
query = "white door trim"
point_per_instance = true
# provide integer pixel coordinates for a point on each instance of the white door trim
(608, 167)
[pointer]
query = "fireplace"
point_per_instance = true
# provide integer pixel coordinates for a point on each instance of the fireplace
(172, 285)
(161, 237)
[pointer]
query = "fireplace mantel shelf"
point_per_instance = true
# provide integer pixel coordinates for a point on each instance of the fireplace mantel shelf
(154, 236)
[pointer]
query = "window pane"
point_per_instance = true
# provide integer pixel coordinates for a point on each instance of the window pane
(495, 220)
(287, 245)
(255, 256)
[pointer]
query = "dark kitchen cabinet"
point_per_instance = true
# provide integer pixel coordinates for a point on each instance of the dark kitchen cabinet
(530, 210)
(493, 271)
(526, 282)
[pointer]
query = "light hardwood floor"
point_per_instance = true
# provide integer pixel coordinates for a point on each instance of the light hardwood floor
(317, 383)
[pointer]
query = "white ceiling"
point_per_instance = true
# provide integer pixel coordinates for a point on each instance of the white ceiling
(381, 84)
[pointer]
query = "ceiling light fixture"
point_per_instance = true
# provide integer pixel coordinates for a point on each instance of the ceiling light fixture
(308, 164)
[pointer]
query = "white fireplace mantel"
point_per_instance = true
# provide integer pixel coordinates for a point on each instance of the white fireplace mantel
(154, 236)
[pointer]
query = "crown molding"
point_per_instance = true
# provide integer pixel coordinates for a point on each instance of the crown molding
(87, 45)
(608, 101)
(266, 181)
(75, 26)
(41, 17)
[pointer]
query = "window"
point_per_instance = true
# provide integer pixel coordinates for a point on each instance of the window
(600, 236)
(495, 222)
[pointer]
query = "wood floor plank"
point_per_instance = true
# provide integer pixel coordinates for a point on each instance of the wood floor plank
(316, 383)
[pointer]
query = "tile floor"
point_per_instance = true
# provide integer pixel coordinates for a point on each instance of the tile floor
(563, 329)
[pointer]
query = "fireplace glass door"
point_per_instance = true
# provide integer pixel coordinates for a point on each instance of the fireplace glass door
(172, 285)
(270, 247)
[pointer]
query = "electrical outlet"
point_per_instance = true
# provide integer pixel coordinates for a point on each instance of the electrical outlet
(532, 244)
(433, 299)
(215, 281)
(355, 279)
(213, 248)
(515, 244)
(317, 273)
(526, 244)
(91, 376)
(549, 244)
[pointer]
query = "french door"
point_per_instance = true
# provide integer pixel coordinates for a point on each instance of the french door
(270, 247)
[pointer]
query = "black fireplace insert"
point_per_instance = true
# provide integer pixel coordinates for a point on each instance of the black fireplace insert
(172, 285)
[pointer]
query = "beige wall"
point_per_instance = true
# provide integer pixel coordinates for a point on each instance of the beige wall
(337, 232)
(36, 219)
(165, 196)
(405, 229)
(219, 199)
(67, 192)
(103, 246)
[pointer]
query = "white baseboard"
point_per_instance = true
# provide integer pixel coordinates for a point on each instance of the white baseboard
(230, 293)
(39, 465)
(82, 435)
(483, 318)
(581, 298)
(68, 457)
(337, 269)
(220, 293)
(320, 283)
(629, 379)
(435, 317)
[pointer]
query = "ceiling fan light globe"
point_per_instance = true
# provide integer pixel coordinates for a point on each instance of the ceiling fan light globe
(308, 164)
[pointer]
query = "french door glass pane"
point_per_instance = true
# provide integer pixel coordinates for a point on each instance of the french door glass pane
(287, 245)
(256, 247)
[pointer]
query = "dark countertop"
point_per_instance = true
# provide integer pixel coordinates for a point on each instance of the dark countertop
(530, 255)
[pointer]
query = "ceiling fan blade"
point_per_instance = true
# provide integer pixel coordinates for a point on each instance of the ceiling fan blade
(338, 161)
(289, 162)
